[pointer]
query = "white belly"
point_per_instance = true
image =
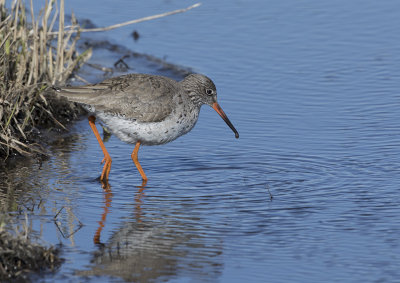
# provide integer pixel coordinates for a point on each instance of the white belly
(153, 133)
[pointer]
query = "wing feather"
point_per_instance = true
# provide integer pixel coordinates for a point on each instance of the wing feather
(146, 98)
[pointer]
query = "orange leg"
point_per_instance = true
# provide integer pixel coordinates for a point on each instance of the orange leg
(107, 157)
(134, 157)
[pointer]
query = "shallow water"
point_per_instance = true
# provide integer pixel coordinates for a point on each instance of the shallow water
(312, 88)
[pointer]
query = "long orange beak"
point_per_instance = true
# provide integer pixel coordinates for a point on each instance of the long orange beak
(223, 116)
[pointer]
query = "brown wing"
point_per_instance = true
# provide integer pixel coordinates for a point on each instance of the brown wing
(145, 98)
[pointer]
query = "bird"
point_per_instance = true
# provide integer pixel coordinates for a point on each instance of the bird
(144, 109)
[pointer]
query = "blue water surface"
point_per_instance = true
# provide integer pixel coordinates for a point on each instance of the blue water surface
(313, 89)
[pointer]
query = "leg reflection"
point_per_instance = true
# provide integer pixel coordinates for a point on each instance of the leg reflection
(107, 204)
(139, 201)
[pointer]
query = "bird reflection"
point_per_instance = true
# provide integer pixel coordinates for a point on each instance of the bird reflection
(153, 245)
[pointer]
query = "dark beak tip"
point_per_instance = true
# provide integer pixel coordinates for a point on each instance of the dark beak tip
(237, 135)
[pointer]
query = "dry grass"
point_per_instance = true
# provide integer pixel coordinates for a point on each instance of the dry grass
(32, 56)
(19, 256)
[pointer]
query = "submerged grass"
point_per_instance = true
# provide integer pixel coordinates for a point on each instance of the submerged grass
(33, 56)
(19, 256)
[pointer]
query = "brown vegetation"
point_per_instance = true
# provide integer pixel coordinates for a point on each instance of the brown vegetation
(32, 56)
(19, 255)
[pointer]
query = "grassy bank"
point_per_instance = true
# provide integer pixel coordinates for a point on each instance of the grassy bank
(19, 256)
(34, 52)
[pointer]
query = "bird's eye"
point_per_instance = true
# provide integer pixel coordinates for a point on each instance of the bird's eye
(209, 91)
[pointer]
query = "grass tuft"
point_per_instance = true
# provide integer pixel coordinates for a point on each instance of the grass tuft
(20, 256)
(33, 56)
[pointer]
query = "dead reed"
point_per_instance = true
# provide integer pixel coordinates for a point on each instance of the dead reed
(32, 56)
(20, 256)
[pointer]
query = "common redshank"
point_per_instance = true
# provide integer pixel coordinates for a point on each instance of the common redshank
(145, 109)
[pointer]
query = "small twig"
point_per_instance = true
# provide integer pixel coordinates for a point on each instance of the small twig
(52, 116)
(58, 224)
(79, 78)
(40, 202)
(270, 195)
(5, 21)
(26, 226)
(149, 18)
(120, 64)
(5, 39)
(99, 67)
(55, 216)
